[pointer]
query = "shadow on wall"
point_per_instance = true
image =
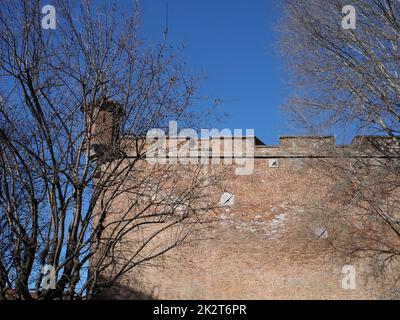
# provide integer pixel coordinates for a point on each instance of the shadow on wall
(123, 292)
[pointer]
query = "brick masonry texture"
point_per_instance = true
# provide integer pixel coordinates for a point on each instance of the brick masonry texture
(265, 245)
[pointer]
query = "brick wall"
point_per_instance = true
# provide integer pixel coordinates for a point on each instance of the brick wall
(265, 244)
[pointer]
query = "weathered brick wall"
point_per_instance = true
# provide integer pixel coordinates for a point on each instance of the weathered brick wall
(264, 245)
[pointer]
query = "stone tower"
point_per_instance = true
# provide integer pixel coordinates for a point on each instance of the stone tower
(106, 129)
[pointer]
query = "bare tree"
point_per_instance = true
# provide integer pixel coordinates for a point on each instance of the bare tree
(347, 81)
(76, 104)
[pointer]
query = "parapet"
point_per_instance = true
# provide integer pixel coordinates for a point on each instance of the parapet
(306, 143)
(289, 146)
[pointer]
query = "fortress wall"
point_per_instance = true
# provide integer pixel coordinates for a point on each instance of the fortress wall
(263, 246)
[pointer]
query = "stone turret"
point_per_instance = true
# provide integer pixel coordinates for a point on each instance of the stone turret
(106, 130)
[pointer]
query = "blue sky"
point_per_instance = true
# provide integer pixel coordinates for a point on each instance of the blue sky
(233, 43)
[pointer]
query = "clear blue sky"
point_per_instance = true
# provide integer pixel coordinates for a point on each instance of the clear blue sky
(233, 43)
